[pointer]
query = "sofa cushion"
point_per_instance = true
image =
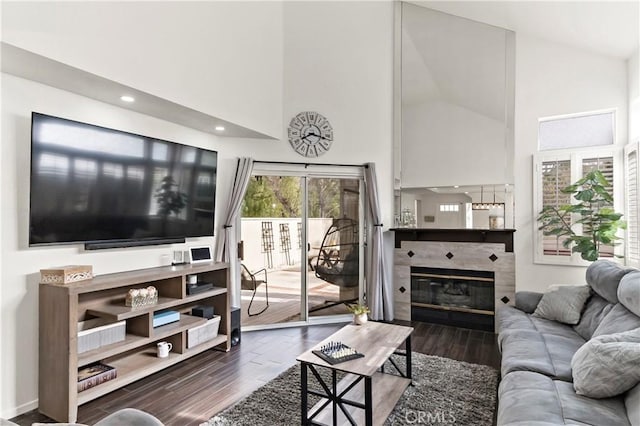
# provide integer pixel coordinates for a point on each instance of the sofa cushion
(607, 365)
(527, 301)
(632, 402)
(617, 320)
(563, 303)
(528, 398)
(629, 292)
(530, 350)
(510, 318)
(596, 309)
(603, 276)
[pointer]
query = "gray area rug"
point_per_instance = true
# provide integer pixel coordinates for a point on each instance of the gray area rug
(445, 392)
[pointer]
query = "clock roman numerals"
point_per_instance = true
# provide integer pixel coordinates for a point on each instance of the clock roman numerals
(310, 134)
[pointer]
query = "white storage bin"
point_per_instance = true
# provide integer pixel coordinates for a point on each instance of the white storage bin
(98, 332)
(203, 333)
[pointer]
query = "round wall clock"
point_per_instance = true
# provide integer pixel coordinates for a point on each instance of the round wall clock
(310, 134)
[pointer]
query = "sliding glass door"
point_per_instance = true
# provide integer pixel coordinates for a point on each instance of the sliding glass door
(334, 244)
(302, 245)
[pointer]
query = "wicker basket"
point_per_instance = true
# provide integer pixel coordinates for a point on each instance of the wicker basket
(136, 298)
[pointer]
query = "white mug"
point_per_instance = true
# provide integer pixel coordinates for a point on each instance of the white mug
(192, 279)
(163, 349)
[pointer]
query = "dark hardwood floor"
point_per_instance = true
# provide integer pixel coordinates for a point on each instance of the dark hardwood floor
(191, 392)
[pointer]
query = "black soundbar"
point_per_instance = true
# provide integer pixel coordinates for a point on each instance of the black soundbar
(99, 245)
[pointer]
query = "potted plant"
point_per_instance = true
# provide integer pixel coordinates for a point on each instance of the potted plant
(593, 211)
(359, 313)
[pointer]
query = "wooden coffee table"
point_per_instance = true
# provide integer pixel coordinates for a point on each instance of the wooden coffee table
(366, 395)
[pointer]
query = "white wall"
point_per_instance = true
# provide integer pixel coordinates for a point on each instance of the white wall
(338, 63)
(220, 58)
(633, 67)
(552, 79)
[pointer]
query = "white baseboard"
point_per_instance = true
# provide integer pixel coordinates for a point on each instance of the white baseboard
(21, 409)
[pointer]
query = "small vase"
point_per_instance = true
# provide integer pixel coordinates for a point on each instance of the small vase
(360, 319)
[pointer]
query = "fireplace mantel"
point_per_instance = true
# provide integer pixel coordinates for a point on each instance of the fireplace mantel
(504, 236)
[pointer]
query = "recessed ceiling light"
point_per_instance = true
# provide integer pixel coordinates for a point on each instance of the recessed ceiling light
(456, 186)
(220, 128)
(127, 98)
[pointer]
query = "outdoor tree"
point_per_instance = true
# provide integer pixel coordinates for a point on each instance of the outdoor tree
(281, 196)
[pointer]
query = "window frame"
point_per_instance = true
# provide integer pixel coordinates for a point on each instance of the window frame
(576, 157)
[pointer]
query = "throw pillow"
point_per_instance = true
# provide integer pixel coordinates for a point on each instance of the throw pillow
(563, 303)
(632, 403)
(607, 365)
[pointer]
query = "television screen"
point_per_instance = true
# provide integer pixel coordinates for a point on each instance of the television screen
(92, 184)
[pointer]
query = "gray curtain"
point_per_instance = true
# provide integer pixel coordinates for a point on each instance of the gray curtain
(227, 244)
(379, 291)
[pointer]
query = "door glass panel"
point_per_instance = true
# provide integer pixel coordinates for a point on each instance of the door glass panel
(272, 242)
(333, 276)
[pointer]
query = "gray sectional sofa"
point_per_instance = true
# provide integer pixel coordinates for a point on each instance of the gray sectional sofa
(537, 386)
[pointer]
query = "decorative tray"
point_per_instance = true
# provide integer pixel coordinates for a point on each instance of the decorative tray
(337, 352)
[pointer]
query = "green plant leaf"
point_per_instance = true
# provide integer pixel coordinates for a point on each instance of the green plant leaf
(584, 195)
(592, 211)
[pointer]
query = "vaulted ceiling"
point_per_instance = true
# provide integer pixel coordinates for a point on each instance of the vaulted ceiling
(607, 27)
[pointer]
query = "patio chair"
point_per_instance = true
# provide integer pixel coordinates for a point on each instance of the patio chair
(249, 281)
(337, 260)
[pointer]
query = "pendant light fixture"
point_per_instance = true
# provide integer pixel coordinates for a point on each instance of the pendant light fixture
(488, 205)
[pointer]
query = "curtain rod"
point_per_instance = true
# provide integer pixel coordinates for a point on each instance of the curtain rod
(311, 164)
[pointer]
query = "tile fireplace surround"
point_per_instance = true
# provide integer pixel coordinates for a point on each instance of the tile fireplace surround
(477, 250)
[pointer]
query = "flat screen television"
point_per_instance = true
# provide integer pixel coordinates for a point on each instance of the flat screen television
(108, 188)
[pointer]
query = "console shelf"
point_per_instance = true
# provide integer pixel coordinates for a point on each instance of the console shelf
(63, 306)
(118, 312)
(140, 364)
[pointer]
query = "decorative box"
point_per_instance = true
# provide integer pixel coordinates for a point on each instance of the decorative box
(66, 274)
(141, 297)
(93, 375)
(98, 332)
(203, 333)
(165, 317)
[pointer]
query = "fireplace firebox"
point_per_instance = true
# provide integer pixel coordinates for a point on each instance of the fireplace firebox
(457, 297)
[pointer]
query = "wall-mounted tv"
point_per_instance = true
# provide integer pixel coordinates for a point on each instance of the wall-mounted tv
(108, 188)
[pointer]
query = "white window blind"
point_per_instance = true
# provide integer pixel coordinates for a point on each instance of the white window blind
(605, 165)
(632, 178)
(577, 131)
(554, 172)
(555, 176)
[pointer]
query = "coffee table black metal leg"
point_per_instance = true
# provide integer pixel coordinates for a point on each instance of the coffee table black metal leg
(335, 396)
(303, 392)
(408, 353)
(368, 402)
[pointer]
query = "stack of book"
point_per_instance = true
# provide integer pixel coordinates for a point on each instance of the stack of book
(94, 374)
